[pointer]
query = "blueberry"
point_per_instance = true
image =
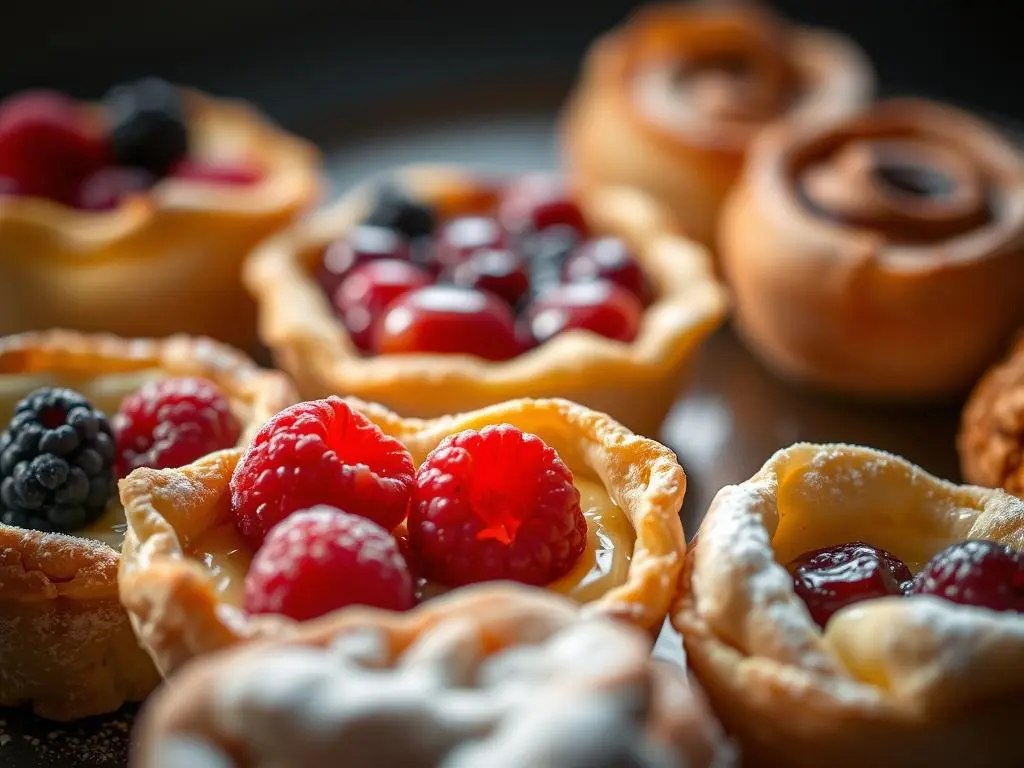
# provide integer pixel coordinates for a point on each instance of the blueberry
(147, 122)
(394, 209)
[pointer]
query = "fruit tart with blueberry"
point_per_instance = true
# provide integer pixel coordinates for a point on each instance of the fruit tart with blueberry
(844, 607)
(77, 412)
(500, 676)
(133, 215)
(437, 291)
(338, 503)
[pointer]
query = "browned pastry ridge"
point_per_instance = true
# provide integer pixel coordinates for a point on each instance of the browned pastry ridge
(669, 102)
(880, 255)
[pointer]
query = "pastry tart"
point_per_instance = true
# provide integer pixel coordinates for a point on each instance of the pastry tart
(680, 90)
(846, 244)
(188, 568)
(124, 249)
(66, 646)
(493, 675)
(620, 357)
(852, 659)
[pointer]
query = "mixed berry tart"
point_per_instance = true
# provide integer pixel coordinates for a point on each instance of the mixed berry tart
(338, 503)
(116, 215)
(77, 412)
(494, 675)
(436, 291)
(844, 607)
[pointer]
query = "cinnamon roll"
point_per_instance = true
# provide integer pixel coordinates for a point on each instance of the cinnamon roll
(879, 255)
(669, 102)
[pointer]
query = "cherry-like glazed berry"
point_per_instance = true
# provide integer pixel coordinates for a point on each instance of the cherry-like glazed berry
(108, 187)
(360, 245)
(598, 306)
(446, 319)
(496, 270)
(461, 237)
(538, 202)
(608, 258)
(367, 290)
(831, 578)
(975, 572)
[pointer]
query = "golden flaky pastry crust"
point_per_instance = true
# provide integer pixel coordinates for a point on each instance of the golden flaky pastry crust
(164, 262)
(498, 675)
(178, 613)
(894, 681)
(635, 383)
(66, 645)
(669, 101)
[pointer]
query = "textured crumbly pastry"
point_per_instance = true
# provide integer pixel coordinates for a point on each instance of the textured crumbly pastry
(892, 680)
(184, 562)
(669, 102)
(66, 645)
(634, 382)
(493, 675)
(846, 245)
(164, 262)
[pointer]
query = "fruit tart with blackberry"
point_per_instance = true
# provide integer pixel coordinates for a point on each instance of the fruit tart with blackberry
(338, 503)
(844, 607)
(79, 411)
(133, 215)
(436, 290)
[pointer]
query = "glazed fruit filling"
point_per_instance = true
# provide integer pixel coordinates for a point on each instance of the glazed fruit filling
(491, 284)
(55, 148)
(336, 514)
(60, 456)
(974, 572)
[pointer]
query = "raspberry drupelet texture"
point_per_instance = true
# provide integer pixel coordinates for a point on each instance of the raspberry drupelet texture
(322, 559)
(320, 452)
(497, 503)
(172, 422)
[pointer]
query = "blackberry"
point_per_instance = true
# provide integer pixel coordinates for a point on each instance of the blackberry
(147, 122)
(395, 210)
(56, 462)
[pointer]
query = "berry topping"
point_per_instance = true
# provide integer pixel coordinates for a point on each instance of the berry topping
(975, 572)
(108, 187)
(48, 146)
(236, 175)
(608, 258)
(320, 452)
(498, 271)
(172, 422)
(56, 462)
(834, 577)
(448, 320)
(538, 202)
(495, 504)
(147, 125)
(599, 306)
(322, 559)
(368, 290)
(548, 252)
(395, 210)
(359, 246)
(459, 238)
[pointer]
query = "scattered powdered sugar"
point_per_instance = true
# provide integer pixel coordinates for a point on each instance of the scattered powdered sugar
(25, 740)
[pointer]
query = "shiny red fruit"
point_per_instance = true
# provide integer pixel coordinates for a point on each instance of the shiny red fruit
(598, 306)
(447, 319)
(231, 174)
(975, 572)
(460, 237)
(368, 289)
(496, 270)
(362, 244)
(608, 258)
(538, 202)
(108, 187)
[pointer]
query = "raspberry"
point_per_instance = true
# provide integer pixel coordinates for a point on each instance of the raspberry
(975, 572)
(47, 145)
(172, 422)
(322, 559)
(495, 504)
(320, 452)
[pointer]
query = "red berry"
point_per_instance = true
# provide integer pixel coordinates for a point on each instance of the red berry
(362, 244)
(319, 452)
(495, 504)
(48, 145)
(608, 258)
(173, 422)
(538, 202)
(834, 577)
(498, 271)
(368, 290)
(462, 236)
(975, 572)
(599, 306)
(229, 174)
(9, 187)
(322, 559)
(446, 319)
(108, 187)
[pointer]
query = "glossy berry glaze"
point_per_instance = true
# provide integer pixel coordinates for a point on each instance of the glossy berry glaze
(980, 573)
(498, 282)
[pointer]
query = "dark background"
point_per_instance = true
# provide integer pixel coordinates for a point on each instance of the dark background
(307, 60)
